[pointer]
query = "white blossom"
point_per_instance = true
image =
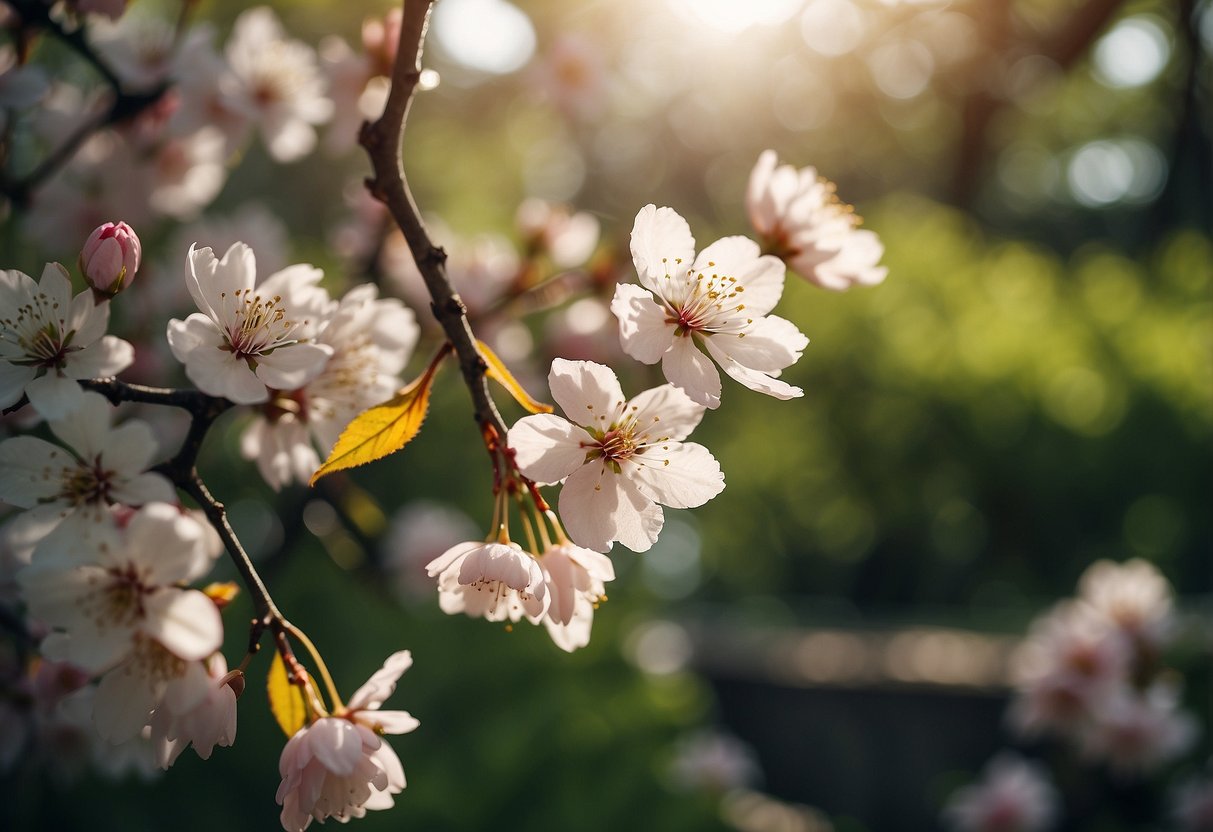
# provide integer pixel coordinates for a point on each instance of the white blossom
(495, 581)
(720, 300)
(247, 338)
(800, 218)
(101, 466)
(575, 582)
(1134, 597)
(1135, 732)
(282, 87)
(198, 708)
(46, 332)
(371, 340)
(618, 458)
(113, 600)
(339, 766)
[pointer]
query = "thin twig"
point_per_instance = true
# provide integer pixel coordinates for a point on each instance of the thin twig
(382, 141)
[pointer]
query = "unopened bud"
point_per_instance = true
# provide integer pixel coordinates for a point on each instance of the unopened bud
(110, 258)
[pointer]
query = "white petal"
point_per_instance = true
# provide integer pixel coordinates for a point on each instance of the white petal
(587, 392)
(123, 704)
(644, 333)
(86, 428)
(756, 380)
(598, 506)
(451, 556)
(32, 470)
(336, 744)
(665, 412)
(382, 684)
(13, 379)
(185, 622)
(55, 396)
(291, 367)
(107, 357)
(144, 488)
(679, 475)
(686, 367)
(661, 243)
(548, 448)
(390, 722)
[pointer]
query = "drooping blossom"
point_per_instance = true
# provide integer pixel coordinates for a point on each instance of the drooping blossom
(495, 581)
(575, 581)
(282, 88)
(1134, 597)
(620, 459)
(720, 300)
(800, 218)
(339, 766)
(101, 466)
(1013, 795)
(248, 338)
(113, 599)
(198, 708)
(49, 339)
(110, 257)
(371, 340)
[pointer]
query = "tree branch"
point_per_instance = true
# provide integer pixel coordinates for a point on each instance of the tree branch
(382, 141)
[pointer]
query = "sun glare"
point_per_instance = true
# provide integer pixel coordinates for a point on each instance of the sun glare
(737, 15)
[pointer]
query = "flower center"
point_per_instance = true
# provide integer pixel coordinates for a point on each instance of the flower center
(87, 483)
(257, 324)
(704, 302)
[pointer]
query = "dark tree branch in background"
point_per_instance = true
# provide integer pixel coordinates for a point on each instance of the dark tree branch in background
(126, 104)
(1064, 46)
(382, 141)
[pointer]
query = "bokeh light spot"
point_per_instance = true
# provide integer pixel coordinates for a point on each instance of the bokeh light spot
(487, 35)
(1133, 53)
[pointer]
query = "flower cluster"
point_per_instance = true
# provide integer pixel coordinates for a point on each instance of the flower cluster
(1091, 671)
(1014, 795)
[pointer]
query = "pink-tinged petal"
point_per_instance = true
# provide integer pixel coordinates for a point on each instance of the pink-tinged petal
(587, 392)
(756, 380)
(689, 369)
(291, 367)
(185, 338)
(13, 379)
(224, 374)
(390, 722)
(562, 585)
(661, 245)
(86, 428)
(210, 279)
(336, 743)
(548, 448)
(644, 332)
(32, 470)
(598, 565)
(189, 689)
(382, 684)
(184, 621)
(771, 344)
(123, 704)
(54, 396)
(598, 506)
(760, 278)
(57, 286)
(759, 205)
(164, 542)
(678, 475)
(664, 412)
(440, 564)
(107, 357)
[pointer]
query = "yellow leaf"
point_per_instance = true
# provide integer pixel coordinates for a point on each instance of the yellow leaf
(497, 372)
(382, 430)
(221, 594)
(286, 700)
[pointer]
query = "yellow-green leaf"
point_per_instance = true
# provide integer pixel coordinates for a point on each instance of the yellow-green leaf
(499, 373)
(286, 700)
(382, 430)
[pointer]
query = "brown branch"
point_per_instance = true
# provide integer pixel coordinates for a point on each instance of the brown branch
(382, 142)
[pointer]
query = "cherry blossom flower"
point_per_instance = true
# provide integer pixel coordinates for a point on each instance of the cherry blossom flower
(114, 602)
(186, 174)
(621, 458)
(282, 87)
(719, 299)
(339, 767)
(495, 581)
(244, 338)
(799, 217)
(1136, 732)
(575, 581)
(1134, 597)
(101, 466)
(45, 331)
(371, 340)
(1013, 796)
(198, 708)
(1070, 661)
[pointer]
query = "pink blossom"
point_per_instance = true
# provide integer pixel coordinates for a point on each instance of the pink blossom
(110, 257)
(1013, 796)
(339, 767)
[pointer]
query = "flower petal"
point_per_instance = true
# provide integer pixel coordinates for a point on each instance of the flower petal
(686, 367)
(382, 684)
(291, 367)
(184, 621)
(587, 392)
(664, 413)
(644, 333)
(548, 448)
(678, 475)
(661, 243)
(598, 506)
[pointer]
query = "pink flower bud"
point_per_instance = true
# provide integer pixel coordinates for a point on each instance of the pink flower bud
(110, 258)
